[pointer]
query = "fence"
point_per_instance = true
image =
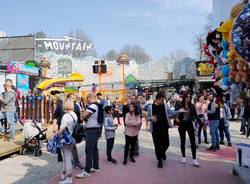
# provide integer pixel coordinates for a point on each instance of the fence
(41, 108)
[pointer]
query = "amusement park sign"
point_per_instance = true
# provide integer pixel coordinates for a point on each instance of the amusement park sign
(64, 44)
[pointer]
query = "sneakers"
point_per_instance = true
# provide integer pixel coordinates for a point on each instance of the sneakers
(222, 142)
(229, 145)
(159, 165)
(92, 170)
(78, 166)
(125, 162)
(66, 181)
(217, 147)
(206, 142)
(83, 174)
(195, 163)
(112, 161)
(183, 160)
(212, 148)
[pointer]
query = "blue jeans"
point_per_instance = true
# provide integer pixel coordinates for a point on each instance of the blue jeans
(10, 117)
(91, 148)
(224, 129)
(213, 125)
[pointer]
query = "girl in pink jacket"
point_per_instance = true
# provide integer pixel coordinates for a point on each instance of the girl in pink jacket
(132, 121)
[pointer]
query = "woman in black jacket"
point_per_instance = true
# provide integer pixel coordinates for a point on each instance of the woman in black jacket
(186, 120)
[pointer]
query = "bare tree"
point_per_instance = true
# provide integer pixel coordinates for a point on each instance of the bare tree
(208, 27)
(111, 55)
(199, 40)
(81, 35)
(136, 52)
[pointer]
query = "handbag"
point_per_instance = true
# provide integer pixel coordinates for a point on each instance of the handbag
(67, 138)
(52, 145)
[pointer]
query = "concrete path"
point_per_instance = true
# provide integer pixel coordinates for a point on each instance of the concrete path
(216, 167)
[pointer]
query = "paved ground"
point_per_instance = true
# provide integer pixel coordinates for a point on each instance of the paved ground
(42, 170)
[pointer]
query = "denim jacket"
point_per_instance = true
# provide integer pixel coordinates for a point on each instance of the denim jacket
(227, 114)
(168, 111)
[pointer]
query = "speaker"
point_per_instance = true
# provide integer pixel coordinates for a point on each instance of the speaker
(96, 69)
(104, 68)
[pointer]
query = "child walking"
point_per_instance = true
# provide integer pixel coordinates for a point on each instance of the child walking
(110, 128)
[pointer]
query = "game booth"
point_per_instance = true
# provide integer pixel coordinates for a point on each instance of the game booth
(228, 50)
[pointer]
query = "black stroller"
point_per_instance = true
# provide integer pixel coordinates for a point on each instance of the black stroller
(33, 135)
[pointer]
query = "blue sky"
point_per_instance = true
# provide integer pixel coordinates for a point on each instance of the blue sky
(159, 26)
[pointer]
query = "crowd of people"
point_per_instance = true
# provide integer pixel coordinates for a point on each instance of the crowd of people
(191, 113)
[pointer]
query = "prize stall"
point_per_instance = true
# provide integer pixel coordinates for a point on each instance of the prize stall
(228, 48)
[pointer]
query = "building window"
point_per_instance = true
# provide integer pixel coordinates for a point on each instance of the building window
(64, 67)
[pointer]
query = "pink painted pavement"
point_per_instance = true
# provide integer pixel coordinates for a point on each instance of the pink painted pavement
(144, 171)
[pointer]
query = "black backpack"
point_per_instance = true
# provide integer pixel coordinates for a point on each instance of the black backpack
(100, 115)
(78, 131)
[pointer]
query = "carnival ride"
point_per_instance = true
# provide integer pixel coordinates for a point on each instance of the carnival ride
(54, 86)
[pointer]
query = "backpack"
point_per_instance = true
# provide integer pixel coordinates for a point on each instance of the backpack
(100, 115)
(78, 131)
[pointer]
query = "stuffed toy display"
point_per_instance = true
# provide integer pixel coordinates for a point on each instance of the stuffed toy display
(241, 34)
(205, 69)
(235, 11)
(233, 70)
(214, 39)
(242, 73)
(225, 28)
(228, 48)
(224, 52)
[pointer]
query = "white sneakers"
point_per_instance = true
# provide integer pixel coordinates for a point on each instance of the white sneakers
(183, 160)
(66, 181)
(83, 174)
(194, 162)
(92, 170)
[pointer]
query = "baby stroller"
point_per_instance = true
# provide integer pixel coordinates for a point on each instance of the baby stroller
(33, 135)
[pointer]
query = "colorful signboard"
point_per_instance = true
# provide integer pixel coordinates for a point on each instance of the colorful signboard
(16, 67)
(23, 84)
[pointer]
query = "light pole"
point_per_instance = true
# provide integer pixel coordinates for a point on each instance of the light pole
(123, 59)
(44, 64)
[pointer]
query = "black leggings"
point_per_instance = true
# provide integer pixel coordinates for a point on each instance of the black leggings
(110, 144)
(129, 146)
(202, 127)
(187, 127)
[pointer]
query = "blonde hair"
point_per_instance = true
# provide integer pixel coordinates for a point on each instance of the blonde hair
(68, 104)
